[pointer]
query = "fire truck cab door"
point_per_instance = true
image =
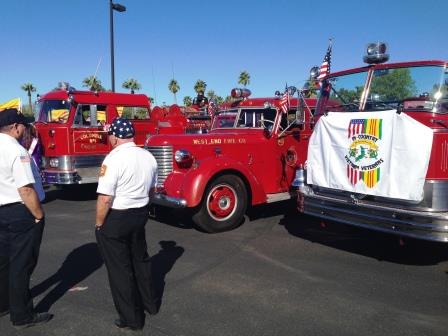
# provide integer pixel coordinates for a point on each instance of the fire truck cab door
(88, 133)
(292, 144)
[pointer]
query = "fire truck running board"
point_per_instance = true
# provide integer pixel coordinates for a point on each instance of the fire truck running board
(271, 198)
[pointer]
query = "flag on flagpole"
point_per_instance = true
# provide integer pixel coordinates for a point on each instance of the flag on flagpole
(284, 102)
(15, 103)
(324, 69)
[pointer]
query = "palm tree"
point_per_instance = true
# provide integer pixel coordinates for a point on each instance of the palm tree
(188, 101)
(210, 94)
(219, 100)
(131, 84)
(173, 86)
(92, 83)
(200, 86)
(28, 88)
(244, 78)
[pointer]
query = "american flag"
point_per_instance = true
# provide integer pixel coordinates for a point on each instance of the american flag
(356, 126)
(324, 69)
(284, 102)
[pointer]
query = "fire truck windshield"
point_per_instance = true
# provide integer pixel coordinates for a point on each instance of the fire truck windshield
(389, 89)
(225, 119)
(53, 111)
(257, 118)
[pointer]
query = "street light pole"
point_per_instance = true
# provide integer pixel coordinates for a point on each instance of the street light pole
(118, 8)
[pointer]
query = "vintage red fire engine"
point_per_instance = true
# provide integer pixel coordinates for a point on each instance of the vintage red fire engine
(249, 157)
(71, 126)
(416, 91)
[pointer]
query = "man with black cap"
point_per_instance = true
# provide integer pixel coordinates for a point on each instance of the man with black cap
(126, 184)
(21, 224)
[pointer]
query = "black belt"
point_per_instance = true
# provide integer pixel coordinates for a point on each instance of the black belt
(7, 205)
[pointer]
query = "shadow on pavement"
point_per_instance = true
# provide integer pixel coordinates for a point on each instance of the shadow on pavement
(163, 262)
(373, 244)
(78, 265)
(77, 192)
(180, 218)
(272, 209)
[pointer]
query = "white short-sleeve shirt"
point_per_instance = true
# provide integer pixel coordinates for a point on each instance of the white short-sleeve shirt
(15, 169)
(128, 174)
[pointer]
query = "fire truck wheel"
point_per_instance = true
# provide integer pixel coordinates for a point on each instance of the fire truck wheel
(223, 205)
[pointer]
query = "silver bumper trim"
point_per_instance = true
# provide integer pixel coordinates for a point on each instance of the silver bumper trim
(432, 226)
(168, 201)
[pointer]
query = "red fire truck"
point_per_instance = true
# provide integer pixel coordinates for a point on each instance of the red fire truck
(249, 157)
(71, 127)
(418, 90)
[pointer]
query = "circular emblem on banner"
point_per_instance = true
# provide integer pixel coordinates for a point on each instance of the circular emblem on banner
(363, 157)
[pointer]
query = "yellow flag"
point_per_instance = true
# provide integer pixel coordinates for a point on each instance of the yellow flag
(13, 103)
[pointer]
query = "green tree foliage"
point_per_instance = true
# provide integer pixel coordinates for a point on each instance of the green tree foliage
(131, 84)
(210, 94)
(188, 101)
(200, 86)
(219, 100)
(173, 86)
(131, 112)
(29, 88)
(395, 85)
(349, 96)
(93, 83)
(312, 88)
(244, 78)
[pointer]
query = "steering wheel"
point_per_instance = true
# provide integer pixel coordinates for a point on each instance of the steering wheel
(270, 125)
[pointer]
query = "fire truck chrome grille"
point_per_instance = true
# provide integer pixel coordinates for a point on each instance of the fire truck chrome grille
(164, 158)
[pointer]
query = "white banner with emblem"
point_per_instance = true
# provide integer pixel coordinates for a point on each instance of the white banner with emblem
(376, 153)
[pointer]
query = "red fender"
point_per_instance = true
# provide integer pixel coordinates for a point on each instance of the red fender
(191, 185)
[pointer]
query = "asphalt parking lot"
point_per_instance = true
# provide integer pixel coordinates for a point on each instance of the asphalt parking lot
(278, 274)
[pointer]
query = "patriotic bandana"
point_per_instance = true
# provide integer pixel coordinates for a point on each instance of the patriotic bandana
(122, 128)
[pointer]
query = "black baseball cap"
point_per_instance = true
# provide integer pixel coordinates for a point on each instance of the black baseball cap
(12, 116)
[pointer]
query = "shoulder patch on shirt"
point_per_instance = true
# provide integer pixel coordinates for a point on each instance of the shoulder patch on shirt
(103, 170)
(24, 159)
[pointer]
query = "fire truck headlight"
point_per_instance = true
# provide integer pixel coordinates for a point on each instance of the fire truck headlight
(182, 156)
(54, 162)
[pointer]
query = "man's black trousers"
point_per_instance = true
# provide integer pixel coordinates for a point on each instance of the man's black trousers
(20, 239)
(122, 243)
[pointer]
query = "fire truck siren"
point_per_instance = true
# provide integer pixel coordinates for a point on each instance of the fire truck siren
(314, 72)
(240, 93)
(376, 53)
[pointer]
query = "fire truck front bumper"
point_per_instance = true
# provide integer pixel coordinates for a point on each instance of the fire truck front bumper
(168, 201)
(61, 178)
(425, 225)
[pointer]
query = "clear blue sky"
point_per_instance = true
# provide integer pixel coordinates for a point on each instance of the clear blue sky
(276, 41)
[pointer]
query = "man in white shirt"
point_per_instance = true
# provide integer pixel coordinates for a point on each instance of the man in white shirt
(126, 184)
(21, 224)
